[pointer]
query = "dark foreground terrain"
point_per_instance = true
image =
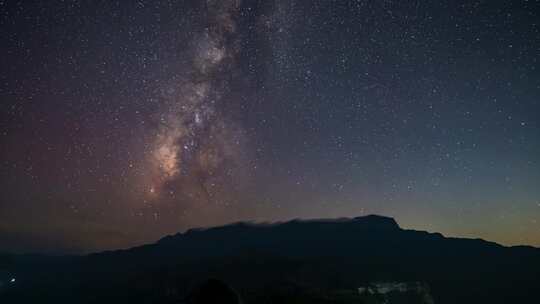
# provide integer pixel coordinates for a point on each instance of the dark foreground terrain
(362, 260)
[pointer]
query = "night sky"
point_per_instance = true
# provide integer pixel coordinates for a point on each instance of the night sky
(124, 121)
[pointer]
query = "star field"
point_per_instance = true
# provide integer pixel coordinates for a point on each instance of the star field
(122, 122)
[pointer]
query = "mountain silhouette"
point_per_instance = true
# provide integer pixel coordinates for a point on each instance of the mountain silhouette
(262, 260)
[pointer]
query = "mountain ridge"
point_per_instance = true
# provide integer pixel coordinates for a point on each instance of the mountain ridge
(331, 254)
(371, 218)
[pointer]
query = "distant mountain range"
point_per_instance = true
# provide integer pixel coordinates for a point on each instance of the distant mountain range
(295, 257)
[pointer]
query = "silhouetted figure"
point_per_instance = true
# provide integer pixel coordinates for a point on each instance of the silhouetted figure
(213, 292)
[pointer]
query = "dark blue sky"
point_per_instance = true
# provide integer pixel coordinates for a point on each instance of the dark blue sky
(122, 122)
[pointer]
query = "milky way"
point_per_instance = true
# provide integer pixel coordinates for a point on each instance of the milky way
(195, 144)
